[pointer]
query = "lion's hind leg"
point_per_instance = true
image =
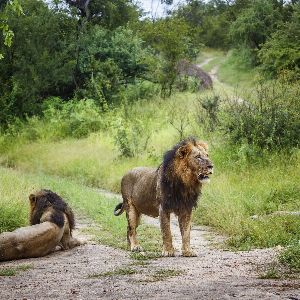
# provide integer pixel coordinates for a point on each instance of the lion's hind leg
(67, 241)
(133, 219)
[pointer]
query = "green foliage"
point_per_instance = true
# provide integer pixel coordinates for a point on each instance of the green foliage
(209, 22)
(60, 120)
(78, 58)
(110, 60)
(171, 38)
(9, 6)
(269, 119)
(281, 52)
(107, 13)
(131, 134)
(254, 25)
(208, 109)
(35, 67)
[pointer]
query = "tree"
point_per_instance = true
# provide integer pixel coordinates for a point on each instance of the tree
(171, 39)
(281, 51)
(6, 6)
(254, 25)
(40, 63)
(209, 21)
(108, 13)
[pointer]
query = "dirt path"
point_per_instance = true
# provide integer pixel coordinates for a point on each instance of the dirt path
(80, 273)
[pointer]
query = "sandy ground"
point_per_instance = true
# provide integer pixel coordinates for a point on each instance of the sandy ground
(214, 274)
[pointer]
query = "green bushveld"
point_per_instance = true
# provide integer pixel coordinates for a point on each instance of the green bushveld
(249, 180)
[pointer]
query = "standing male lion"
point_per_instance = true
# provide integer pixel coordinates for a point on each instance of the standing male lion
(52, 222)
(173, 187)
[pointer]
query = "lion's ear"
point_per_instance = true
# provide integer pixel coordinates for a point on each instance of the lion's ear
(32, 198)
(182, 151)
(203, 145)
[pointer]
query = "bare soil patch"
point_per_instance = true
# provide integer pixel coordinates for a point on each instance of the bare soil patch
(94, 271)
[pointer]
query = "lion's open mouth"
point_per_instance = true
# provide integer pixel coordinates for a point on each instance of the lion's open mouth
(203, 177)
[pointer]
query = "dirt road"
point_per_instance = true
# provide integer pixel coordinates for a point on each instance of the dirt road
(95, 271)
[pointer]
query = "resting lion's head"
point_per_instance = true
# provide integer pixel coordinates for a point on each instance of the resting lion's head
(185, 167)
(42, 200)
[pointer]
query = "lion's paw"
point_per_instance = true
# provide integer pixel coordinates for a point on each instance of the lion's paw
(168, 253)
(189, 253)
(136, 248)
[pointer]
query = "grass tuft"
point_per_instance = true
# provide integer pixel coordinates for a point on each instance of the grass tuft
(15, 270)
(116, 272)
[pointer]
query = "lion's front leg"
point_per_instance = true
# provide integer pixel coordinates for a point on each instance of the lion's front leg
(184, 220)
(168, 249)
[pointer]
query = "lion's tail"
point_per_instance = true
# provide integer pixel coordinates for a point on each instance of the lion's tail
(119, 209)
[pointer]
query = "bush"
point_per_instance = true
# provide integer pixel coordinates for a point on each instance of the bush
(208, 110)
(131, 135)
(60, 120)
(270, 119)
(74, 118)
(140, 90)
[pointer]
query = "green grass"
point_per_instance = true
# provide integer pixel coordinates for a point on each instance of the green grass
(15, 270)
(234, 72)
(271, 273)
(164, 274)
(290, 257)
(8, 272)
(240, 191)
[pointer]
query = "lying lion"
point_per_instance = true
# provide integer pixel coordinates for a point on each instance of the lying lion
(173, 187)
(52, 222)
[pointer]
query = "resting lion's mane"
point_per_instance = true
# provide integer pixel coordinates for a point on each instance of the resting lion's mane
(47, 198)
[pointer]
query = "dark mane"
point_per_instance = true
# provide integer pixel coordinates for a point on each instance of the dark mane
(176, 196)
(47, 198)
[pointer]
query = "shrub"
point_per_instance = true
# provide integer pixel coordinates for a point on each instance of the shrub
(60, 120)
(130, 137)
(269, 119)
(208, 110)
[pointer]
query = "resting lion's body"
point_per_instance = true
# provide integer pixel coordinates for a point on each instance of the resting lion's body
(173, 187)
(51, 220)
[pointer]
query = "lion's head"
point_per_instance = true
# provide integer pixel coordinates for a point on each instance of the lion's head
(41, 201)
(185, 167)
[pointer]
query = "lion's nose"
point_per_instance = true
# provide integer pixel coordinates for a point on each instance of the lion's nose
(210, 166)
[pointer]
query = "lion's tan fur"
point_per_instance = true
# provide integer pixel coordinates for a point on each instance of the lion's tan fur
(39, 239)
(172, 188)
